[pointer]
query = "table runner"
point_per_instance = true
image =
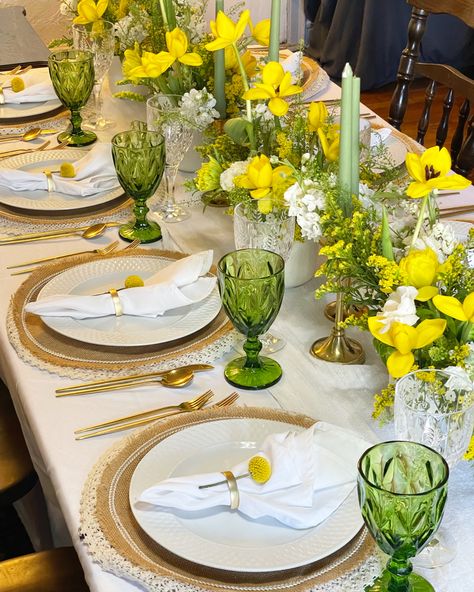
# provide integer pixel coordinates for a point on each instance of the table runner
(118, 544)
(38, 345)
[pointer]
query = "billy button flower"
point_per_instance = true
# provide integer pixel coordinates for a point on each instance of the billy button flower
(17, 84)
(89, 11)
(404, 339)
(275, 87)
(134, 281)
(259, 470)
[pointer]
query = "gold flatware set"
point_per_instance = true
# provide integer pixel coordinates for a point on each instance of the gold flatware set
(139, 419)
(42, 148)
(16, 71)
(87, 232)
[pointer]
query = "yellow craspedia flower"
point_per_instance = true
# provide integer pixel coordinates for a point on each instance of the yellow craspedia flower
(17, 84)
(67, 170)
(421, 268)
(430, 171)
(134, 281)
(260, 469)
(317, 116)
(89, 11)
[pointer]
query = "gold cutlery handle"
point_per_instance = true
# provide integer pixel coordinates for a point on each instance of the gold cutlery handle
(108, 387)
(44, 260)
(128, 418)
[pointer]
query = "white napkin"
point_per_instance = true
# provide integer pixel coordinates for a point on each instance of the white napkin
(95, 173)
(379, 136)
(312, 474)
(178, 284)
(38, 88)
(292, 63)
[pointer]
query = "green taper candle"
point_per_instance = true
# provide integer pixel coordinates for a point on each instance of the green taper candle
(219, 73)
(345, 167)
(355, 137)
(274, 48)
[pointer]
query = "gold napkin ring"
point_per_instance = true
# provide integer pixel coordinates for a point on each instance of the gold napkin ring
(49, 180)
(233, 489)
(116, 301)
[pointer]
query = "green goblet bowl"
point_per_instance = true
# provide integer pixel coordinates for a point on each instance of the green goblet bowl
(251, 284)
(139, 159)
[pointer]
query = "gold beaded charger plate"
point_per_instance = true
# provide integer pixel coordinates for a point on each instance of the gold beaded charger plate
(98, 276)
(118, 543)
(224, 539)
(39, 345)
(51, 201)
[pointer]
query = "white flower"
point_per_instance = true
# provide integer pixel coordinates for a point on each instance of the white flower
(459, 379)
(131, 29)
(306, 204)
(236, 168)
(197, 108)
(399, 307)
(440, 239)
(68, 7)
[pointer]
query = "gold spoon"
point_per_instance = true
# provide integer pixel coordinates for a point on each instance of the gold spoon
(90, 232)
(176, 378)
(29, 135)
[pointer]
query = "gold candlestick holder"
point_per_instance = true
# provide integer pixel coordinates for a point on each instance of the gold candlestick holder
(352, 309)
(337, 347)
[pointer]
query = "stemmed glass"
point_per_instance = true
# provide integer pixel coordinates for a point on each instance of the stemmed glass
(436, 408)
(402, 489)
(274, 232)
(72, 76)
(98, 38)
(251, 285)
(139, 159)
(163, 115)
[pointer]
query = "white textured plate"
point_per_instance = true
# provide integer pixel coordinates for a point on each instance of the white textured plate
(218, 538)
(101, 275)
(54, 201)
(14, 111)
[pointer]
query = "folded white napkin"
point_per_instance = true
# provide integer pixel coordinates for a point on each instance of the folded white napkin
(378, 136)
(95, 173)
(312, 474)
(178, 284)
(292, 63)
(38, 88)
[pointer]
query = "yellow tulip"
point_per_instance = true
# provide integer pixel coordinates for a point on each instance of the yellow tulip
(276, 84)
(405, 339)
(452, 307)
(329, 144)
(151, 66)
(260, 177)
(226, 32)
(421, 268)
(317, 116)
(248, 60)
(89, 11)
(261, 32)
(177, 44)
(430, 171)
(132, 60)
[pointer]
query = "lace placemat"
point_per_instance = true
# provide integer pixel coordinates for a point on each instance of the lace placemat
(59, 118)
(40, 346)
(118, 544)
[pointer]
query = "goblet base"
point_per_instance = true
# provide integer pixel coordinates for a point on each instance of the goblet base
(415, 584)
(271, 343)
(172, 213)
(268, 374)
(150, 234)
(83, 139)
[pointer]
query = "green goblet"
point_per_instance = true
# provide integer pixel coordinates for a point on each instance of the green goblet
(72, 75)
(139, 159)
(402, 490)
(251, 284)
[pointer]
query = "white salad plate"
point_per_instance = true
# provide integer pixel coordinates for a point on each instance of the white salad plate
(50, 201)
(100, 276)
(219, 538)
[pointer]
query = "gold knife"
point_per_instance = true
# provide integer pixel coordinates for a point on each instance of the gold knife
(50, 233)
(129, 379)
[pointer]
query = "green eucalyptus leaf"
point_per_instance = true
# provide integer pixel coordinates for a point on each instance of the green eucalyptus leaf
(237, 129)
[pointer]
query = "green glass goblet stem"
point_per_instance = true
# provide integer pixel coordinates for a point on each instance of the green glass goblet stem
(251, 284)
(72, 76)
(139, 159)
(402, 489)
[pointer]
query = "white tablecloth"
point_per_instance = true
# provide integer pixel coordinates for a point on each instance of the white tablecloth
(334, 393)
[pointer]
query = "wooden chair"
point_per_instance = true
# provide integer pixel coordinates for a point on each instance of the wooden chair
(57, 570)
(462, 147)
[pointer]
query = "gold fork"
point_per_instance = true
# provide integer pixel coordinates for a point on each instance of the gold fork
(8, 153)
(131, 421)
(108, 249)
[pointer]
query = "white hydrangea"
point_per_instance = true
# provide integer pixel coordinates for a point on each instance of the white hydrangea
(131, 29)
(236, 168)
(441, 239)
(306, 204)
(197, 108)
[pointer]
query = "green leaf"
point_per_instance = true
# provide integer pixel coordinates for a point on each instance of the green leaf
(131, 96)
(238, 130)
(62, 41)
(387, 249)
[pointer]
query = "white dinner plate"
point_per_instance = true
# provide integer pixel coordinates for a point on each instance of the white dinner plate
(101, 275)
(219, 538)
(50, 201)
(15, 111)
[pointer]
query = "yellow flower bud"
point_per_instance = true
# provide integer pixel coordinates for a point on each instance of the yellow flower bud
(18, 84)
(421, 267)
(260, 469)
(134, 281)
(317, 115)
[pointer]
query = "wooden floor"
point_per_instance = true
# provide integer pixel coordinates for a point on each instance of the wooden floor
(379, 101)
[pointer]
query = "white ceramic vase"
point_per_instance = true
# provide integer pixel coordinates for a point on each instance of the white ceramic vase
(304, 260)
